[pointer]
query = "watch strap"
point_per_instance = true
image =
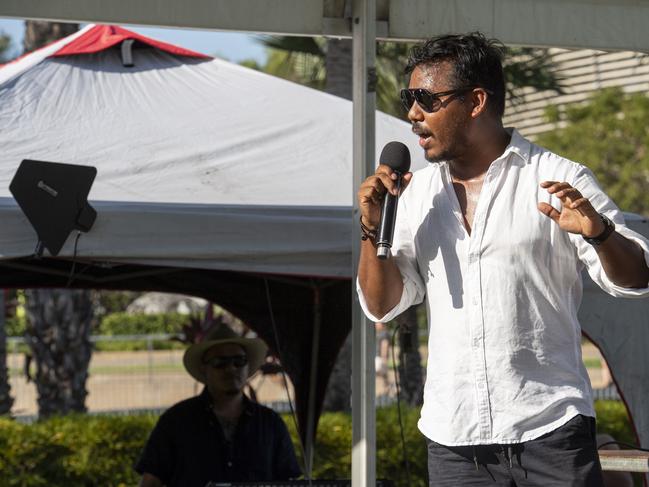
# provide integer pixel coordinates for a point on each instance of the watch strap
(609, 227)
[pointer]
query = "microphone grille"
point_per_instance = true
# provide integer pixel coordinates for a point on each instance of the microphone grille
(396, 155)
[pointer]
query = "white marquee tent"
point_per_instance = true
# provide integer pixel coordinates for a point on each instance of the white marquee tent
(201, 156)
(212, 180)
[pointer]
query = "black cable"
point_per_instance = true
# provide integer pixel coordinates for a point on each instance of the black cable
(288, 395)
(74, 260)
(396, 383)
(621, 443)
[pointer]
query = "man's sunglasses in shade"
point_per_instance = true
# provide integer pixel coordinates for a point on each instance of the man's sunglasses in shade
(431, 102)
(222, 362)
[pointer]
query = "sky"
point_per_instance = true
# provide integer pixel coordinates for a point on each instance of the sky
(233, 46)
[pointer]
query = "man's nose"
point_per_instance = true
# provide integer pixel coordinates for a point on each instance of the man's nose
(415, 114)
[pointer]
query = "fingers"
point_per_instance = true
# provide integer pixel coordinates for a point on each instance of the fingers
(549, 211)
(372, 190)
(570, 197)
(405, 180)
(559, 189)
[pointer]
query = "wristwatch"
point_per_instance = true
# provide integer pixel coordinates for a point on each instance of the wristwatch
(609, 227)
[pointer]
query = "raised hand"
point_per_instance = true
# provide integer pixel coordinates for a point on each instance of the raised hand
(370, 194)
(577, 214)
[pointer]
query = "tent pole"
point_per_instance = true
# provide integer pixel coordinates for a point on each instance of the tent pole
(363, 332)
(315, 346)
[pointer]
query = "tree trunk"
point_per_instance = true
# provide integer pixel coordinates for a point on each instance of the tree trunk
(59, 322)
(6, 401)
(39, 33)
(338, 63)
(411, 378)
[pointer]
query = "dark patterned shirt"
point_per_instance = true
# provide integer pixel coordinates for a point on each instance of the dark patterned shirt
(187, 447)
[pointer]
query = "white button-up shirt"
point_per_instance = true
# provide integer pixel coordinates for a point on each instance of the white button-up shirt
(504, 347)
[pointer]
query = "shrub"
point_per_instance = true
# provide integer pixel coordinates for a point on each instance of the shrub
(141, 324)
(15, 326)
(612, 418)
(72, 451)
(81, 450)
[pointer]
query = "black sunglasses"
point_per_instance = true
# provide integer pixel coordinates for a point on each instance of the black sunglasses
(431, 102)
(222, 362)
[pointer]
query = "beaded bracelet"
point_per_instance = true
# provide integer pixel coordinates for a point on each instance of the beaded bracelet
(366, 232)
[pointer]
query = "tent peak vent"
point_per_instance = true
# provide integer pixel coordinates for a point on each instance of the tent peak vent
(127, 53)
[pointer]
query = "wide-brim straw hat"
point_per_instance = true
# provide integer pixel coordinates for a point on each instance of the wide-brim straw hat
(193, 358)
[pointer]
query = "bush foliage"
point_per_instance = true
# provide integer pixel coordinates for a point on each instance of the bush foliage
(81, 450)
(610, 135)
(141, 324)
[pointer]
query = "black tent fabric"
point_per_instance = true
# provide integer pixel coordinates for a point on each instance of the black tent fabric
(281, 309)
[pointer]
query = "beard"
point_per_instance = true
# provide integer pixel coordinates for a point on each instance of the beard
(450, 153)
(457, 143)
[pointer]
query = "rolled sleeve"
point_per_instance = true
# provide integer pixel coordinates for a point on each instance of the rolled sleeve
(586, 183)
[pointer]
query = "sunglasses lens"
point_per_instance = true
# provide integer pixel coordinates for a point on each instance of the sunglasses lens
(426, 100)
(223, 362)
(407, 98)
(239, 361)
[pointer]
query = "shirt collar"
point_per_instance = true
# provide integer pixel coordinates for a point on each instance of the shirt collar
(517, 145)
(206, 398)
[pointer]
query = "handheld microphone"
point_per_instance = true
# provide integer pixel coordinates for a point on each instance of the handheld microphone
(396, 156)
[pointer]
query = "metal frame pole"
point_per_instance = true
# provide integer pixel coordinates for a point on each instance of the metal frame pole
(363, 333)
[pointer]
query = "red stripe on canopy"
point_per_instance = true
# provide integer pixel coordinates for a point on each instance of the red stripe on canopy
(102, 37)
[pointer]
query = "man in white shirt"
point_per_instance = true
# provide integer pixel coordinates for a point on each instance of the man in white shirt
(494, 234)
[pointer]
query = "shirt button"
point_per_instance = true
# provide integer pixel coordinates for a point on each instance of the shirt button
(229, 464)
(481, 385)
(475, 301)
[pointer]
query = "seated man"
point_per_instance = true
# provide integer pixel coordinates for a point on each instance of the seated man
(219, 435)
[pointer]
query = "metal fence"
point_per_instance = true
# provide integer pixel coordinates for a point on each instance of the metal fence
(139, 380)
(150, 379)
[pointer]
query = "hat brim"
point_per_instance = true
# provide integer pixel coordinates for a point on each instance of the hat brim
(193, 358)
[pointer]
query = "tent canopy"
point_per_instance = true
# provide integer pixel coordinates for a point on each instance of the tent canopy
(221, 166)
(213, 180)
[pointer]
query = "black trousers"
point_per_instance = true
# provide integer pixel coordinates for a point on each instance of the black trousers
(566, 457)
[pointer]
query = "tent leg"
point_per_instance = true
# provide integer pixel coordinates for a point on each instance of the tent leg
(315, 345)
(363, 333)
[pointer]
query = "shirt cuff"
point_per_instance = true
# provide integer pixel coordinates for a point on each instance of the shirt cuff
(408, 298)
(627, 292)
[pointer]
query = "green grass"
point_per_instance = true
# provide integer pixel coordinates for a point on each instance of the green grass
(593, 363)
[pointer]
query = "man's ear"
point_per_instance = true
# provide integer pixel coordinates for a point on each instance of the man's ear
(479, 98)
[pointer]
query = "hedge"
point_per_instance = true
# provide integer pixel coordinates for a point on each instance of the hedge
(72, 451)
(141, 324)
(81, 450)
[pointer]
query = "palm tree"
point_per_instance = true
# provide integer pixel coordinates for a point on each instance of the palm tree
(327, 65)
(59, 320)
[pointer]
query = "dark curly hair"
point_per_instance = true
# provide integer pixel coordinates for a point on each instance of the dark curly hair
(476, 61)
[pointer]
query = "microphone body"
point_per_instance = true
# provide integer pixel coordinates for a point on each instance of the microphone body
(396, 155)
(385, 231)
